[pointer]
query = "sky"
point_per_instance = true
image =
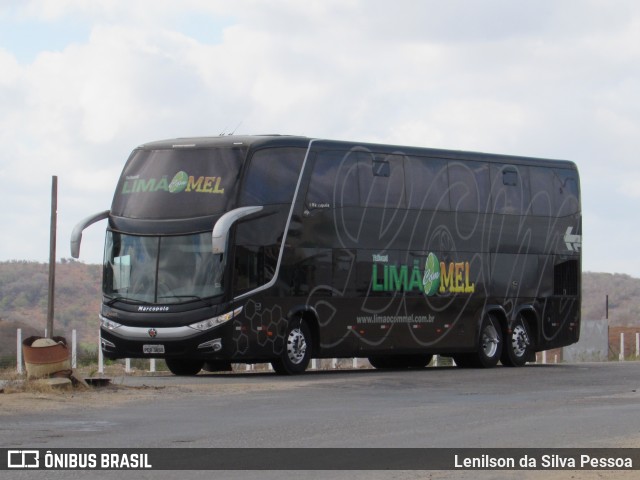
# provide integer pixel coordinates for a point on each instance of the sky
(82, 83)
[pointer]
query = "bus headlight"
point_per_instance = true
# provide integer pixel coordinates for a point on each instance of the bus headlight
(108, 324)
(215, 321)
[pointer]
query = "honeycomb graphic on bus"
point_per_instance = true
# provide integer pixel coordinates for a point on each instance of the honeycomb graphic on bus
(267, 326)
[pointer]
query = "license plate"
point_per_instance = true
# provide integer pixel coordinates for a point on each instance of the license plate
(152, 349)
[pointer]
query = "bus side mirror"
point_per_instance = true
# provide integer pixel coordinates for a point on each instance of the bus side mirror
(221, 228)
(76, 234)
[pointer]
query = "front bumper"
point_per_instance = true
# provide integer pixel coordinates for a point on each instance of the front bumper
(177, 342)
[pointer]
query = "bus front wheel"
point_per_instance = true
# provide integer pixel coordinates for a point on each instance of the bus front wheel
(297, 350)
(184, 366)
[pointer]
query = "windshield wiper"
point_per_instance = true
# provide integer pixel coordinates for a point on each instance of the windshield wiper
(112, 300)
(194, 297)
(127, 300)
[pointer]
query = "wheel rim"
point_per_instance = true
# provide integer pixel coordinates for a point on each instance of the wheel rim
(296, 346)
(519, 341)
(490, 341)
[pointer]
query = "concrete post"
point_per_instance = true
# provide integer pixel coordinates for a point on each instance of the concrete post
(74, 349)
(100, 357)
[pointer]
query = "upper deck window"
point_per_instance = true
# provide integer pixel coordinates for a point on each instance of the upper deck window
(381, 179)
(356, 178)
(427, 183)
(178, 183)
(567, 192)
(334, 180)
(469, 186)
(509, 192)
(555, 192)
(272, 176)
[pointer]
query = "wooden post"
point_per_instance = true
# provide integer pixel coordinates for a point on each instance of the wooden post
(19, 351)
(52, 255)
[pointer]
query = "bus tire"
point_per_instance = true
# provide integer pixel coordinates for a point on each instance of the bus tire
(184, 366)
(517, 347)
(489, 343)
(297, 350)
(400, 361)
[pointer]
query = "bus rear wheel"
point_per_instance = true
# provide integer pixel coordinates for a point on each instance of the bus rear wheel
(184, 366)
(489, 342)
(297, 350)
(517, 348)
(400, 361)
(489, 347)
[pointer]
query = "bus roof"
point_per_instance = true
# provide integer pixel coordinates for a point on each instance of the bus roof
(275, 140)
(228, 141)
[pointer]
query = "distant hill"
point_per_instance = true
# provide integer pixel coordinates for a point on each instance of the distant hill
(23, 300)
(624, 298)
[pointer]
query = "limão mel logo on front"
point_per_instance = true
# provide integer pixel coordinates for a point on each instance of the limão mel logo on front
(181, 182)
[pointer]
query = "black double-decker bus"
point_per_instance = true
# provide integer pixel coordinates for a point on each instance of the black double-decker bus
(247, 249)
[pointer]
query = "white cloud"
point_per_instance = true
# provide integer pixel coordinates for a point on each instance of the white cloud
(553, 79)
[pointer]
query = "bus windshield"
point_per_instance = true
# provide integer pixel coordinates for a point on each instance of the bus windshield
(161, 270)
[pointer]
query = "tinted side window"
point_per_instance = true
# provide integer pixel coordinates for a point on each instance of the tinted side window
(542, 198)
(311, 270)
(272, 176)
(426, 183)
(566, 191)
(509, 189)
(555, 191)
(248, 269)
(381, 180)
(334, 180)
(469, 186)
